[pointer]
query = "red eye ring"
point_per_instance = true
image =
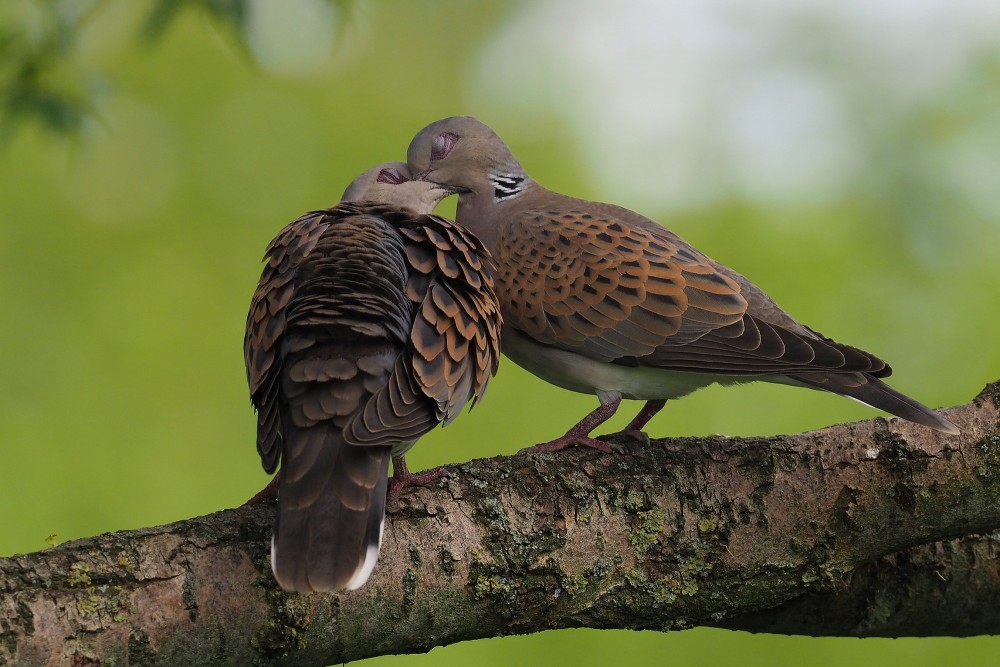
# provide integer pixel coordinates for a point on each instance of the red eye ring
(390, 175)
(443, 144)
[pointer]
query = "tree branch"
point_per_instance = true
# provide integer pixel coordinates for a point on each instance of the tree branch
(784, 534)
(942, 589)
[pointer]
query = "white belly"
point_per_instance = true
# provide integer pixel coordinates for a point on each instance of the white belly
(609, 381)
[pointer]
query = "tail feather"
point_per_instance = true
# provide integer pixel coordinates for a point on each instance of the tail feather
(331, 507)
(872, 391)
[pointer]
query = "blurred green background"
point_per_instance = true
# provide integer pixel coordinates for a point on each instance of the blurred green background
(845, 157)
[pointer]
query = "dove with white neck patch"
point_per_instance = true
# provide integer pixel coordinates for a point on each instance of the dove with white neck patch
(599, 299)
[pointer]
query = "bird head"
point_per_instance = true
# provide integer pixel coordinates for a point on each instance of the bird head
(467, 155)
(390, 183)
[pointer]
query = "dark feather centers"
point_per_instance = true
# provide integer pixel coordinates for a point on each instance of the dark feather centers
(370, 326)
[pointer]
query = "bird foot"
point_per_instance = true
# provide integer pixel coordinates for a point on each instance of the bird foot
(638, 435)
(568, 440)
(268, 494)
(580, 434)
(402, 478)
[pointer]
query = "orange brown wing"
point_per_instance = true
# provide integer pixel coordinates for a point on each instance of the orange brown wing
(607, 289)
(266, 325)
(454, 340)
(640, 296)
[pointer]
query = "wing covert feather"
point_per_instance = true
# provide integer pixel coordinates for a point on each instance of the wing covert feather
(616, 292)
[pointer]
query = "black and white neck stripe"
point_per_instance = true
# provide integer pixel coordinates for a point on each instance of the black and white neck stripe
(506, 186)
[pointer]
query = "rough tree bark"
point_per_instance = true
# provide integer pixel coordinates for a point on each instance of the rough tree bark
(818, 533)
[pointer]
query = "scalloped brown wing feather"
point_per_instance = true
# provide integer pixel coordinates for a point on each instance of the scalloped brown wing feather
(604, 289)
(342, 343)
(454, 340)
(612, 291)
(266, 326)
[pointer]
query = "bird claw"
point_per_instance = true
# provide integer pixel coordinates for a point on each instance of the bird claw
(402, 478)
(562, 443)
(637, 435)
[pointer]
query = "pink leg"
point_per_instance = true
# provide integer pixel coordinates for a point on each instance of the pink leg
(268, 494)
(580, 434)
(648, 411)
(402, 477)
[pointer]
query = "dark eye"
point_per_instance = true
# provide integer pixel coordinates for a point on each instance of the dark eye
(443, 143)
(390, 175)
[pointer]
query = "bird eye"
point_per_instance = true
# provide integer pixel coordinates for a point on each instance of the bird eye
(443, 143)
(390, 175)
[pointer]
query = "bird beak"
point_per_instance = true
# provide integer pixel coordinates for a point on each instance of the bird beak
(452, 189)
